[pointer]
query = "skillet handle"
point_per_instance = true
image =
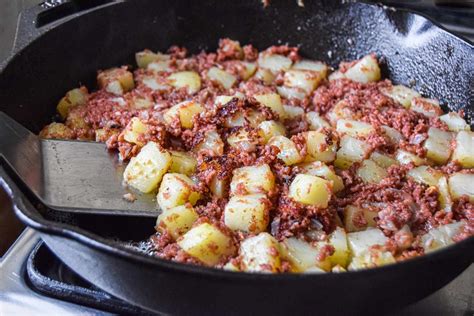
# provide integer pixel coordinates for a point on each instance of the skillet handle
(37, 20)
(23, 207)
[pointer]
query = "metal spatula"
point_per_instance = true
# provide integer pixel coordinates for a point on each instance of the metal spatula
(73, 176)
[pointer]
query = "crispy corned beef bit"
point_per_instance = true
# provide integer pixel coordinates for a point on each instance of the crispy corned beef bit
(241, 126)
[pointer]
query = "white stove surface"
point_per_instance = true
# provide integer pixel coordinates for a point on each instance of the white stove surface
(17, 298)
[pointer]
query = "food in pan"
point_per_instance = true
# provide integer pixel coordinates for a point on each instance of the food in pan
(270, 162)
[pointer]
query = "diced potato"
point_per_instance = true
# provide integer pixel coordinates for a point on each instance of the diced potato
(351, 150)
(248, 70)
(288, 151)
(425, 174)
(230, 266)
(336, 75)
(293, 112)
(405, 157)
(455, 122)
(252, 179)
(223, 78)
(116, 80)
(185, 111)
(120, 101)
(441, 236)
(146, 57)
(260, 253)
(248, 213)
(231, 47)
(274, 62)
(438, 145)
(182, 162)
(382, 160)
(219, 187)
(154, 84)
(72, 98)
(75, 120)
(320, 147)
(338, 239)
(319, 169)
(239, 95)
(160, 66)
(315, 121)
(254, 118)
(207, 243)
(235, 120)
(393, 135)
(243, 140)
(222, 100)
(212, 144)
(464, 151)
(176, 189)
(145, 171)
(358, 219)
(239, 119)
(444, 197)
(404, 238)
(365, 70)
(310, 190)
(354, 128)
(312, 65)
(370, 172)
(273, 101)
(427, 107)
(57, 131)
(314, 270)
(134, 129)
(360, 242)
(186, 79)
(401, 94)
(338, 269)
(370, 259)
(177, 220)
(103, 134)
(291, 93)
(304, 256)
(339, 111)
(302, 79)
(462, 184)
(265, 75)
(268, 129)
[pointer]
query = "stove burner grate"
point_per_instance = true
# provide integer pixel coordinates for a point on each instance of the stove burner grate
(46, 274)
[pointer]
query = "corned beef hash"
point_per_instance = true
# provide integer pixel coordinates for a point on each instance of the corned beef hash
(270, 162)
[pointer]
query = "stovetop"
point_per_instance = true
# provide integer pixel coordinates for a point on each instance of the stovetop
(34, 282)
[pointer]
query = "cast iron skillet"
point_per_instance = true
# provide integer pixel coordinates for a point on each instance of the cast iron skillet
(53, 56)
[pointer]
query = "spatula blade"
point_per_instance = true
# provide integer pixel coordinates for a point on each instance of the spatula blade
(73, 176)
(85, 177)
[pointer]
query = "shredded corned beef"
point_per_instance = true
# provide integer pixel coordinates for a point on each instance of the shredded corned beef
(398, 200)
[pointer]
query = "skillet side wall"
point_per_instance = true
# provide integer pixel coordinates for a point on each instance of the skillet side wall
(372, 292)
(440, 66)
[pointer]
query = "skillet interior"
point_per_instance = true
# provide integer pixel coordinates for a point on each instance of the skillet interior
(416, 52)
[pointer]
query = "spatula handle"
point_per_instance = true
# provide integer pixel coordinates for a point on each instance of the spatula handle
(21, 151)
